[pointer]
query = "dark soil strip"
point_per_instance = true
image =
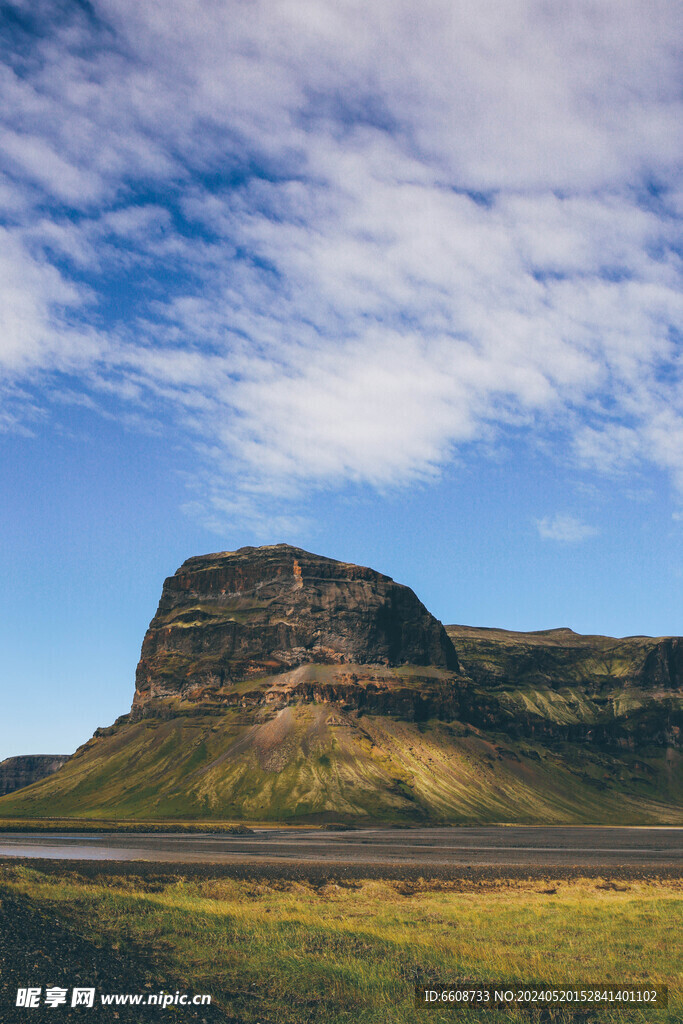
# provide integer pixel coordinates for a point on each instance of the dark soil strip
(319, 873)
(39, 949)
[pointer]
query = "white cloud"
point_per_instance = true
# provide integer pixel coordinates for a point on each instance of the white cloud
(42, 165)
(563, 527)
(35, 299)
(353, 237)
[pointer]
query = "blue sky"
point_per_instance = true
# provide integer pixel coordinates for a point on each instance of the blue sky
(398, 283)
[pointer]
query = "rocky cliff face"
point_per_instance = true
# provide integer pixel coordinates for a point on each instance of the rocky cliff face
(256, 612)
(276, 626)
(17, 772)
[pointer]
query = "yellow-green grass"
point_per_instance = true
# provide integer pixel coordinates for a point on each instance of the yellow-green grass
(313, 763)
(125, 825)
(351, 951)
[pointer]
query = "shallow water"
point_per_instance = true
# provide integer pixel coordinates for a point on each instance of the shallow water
(480, 846)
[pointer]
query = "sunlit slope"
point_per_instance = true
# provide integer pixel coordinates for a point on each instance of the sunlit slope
(311, 762)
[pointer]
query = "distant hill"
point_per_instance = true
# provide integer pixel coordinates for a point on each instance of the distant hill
(278, 685)
(17, 772)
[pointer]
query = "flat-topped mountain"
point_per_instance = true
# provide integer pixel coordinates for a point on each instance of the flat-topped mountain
(258, 612)
(278, 685)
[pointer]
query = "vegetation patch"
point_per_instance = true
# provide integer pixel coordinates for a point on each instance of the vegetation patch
(346, 949)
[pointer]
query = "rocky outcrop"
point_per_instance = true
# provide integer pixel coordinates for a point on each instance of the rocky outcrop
(662, 666)
(240, 615)
(17, 772)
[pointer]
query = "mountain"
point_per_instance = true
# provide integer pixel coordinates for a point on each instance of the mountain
(257, 612)
(17, 772)
(275, 684)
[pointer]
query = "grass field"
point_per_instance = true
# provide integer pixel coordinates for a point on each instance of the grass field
(346, 951)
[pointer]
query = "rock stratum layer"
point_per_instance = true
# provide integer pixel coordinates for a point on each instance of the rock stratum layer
(277, 685)
(21, 771)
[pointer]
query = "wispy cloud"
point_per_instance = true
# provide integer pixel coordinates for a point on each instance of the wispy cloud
(566, 528)
(337, 242)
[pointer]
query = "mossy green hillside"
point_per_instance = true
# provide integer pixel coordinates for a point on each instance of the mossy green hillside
(311, 762)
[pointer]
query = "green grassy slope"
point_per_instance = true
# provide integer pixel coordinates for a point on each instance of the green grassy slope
(312, 762)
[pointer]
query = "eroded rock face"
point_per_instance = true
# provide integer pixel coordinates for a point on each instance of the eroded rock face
(17, 772)
(235, 616)
(559, 686)
(560, 658)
